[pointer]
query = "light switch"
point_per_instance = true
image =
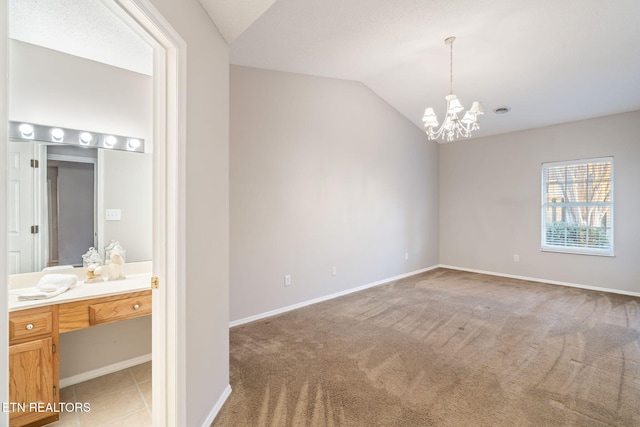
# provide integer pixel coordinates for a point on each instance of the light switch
(113, 215)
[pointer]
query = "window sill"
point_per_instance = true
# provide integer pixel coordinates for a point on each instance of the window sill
(577, 251)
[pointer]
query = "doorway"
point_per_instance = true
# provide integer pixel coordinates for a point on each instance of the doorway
(71, 203)
(169, 112)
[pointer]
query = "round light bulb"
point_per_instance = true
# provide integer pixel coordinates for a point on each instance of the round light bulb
(57, 134)
(26, 130)
(85, 138)
(110, 141)
(133, 143)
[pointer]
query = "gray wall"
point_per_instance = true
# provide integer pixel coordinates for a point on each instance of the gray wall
(490, 196)
(207, 204)
(126, 183)
(92, 348)
(324, 174)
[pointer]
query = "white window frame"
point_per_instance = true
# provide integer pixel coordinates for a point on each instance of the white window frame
(575, 249)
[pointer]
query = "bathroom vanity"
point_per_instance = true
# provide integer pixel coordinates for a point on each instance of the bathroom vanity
(34, 328)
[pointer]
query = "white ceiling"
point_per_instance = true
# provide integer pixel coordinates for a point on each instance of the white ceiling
(232, 17)
(86, 28)
(551, 61)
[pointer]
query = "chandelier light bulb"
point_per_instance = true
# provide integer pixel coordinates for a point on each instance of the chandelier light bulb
(452, 127)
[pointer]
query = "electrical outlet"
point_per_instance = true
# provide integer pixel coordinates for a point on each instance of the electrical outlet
(516, 258)
(406, 255)
(334, 271)
(287, 279)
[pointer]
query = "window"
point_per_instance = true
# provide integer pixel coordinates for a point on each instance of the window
(577, 206)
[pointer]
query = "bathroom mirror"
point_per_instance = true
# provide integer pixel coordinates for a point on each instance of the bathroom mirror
(65, 199)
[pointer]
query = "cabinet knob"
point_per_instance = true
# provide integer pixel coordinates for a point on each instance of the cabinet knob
(29, 327)
(135, 307)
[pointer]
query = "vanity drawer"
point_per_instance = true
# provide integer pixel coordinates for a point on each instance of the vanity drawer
(30, 324)
(112, 311)
(96, 311)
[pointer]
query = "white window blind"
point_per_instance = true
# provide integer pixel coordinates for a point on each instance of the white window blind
(577, 206)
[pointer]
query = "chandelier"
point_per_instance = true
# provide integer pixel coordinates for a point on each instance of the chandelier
(452, 127)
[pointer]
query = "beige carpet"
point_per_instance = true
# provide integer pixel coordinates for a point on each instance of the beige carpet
(444, 348)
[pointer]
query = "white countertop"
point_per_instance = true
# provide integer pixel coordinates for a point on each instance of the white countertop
(133, 283)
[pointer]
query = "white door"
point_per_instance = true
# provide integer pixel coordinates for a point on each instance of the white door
(20, 208)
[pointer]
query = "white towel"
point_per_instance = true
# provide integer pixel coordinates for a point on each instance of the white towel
(49, 286)
(68, 280)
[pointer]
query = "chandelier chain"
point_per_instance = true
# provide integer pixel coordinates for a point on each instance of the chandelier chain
(451, 68)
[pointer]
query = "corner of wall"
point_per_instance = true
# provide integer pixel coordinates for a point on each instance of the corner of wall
(211, 416)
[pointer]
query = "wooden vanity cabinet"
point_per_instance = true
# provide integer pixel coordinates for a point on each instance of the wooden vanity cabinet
(33, 344)
(33, 366)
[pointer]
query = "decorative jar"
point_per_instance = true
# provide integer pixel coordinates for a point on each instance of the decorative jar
(92, 262)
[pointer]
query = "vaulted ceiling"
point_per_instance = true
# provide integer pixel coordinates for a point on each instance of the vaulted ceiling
(551, 61)
(233, 17)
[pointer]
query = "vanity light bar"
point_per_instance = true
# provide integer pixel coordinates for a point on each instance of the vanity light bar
(57, 135)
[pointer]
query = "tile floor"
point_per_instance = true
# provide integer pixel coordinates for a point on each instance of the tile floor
(122, 398)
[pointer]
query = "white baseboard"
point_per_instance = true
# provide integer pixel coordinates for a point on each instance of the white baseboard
(214, 412)
(109, 369)
(325, 298)
(535, 279)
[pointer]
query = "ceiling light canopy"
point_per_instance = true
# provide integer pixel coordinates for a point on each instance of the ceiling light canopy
(452, 126)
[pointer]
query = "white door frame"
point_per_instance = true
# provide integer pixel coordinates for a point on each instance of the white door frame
(169, 112)
(169, 140)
